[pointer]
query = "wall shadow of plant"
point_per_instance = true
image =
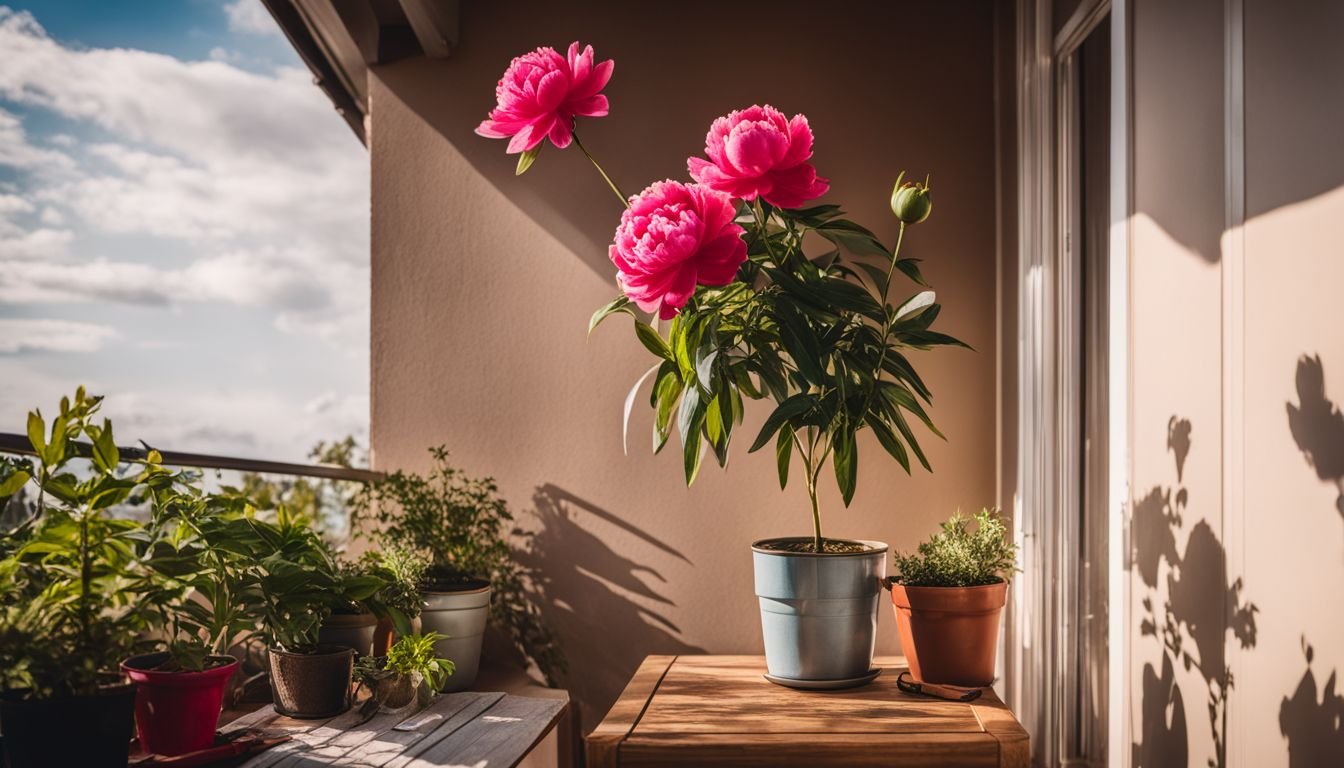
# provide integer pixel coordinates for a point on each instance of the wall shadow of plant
(1314, 727)
(1201, 606)
(583, 584)
(1318, 426)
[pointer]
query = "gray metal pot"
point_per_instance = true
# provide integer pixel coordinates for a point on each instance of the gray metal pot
(461, 615)
(349, 630)
(819, 612)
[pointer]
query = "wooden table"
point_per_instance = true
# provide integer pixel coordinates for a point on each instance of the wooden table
(468, 729)
(718, 710)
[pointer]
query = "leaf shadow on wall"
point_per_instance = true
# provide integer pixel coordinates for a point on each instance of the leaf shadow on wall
(1314, 727)
(600, 601)
(1202, 604)
(1318, 426)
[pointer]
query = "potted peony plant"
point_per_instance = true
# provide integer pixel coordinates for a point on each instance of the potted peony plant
(752, 313)
(948, 597)
(69, 606)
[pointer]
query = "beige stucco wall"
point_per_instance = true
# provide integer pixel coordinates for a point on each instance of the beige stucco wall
(483, 285)
(1222, 316)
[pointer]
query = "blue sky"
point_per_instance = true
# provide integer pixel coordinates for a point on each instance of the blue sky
(183, 228)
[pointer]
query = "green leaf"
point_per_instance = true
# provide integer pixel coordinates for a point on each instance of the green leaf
(619, 304)
(874, 272)
(37, 430)
(714, 421)
(798, 340)
(890, 442)
(651, 340)
(783, 453)
(691, 453)
(105, 452)
(794, 406)
(900, 396)
(853, 237)
(629, 406)
(845, 456)
(12, 483)
(915, 305)
(687, 421)
(910, 267)
(526, 159)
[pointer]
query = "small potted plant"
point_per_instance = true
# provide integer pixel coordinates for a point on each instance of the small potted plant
(753, 313)
(69, 609)
(410, 673)
(298, 582)
(205, 595)
(948, 597)
(352, 622)
(460, 523)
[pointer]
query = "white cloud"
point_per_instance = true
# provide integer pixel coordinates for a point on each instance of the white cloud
(18, 334)
(247, 181)
(251, 17)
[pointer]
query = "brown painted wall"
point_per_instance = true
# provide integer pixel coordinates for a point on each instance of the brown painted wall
(483, 285)
(1238, 366)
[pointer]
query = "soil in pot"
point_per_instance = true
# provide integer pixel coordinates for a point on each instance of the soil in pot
(459, 609)
(312, 685)
(87, 731)
(950, 634)
(176, 710)
(818, 610)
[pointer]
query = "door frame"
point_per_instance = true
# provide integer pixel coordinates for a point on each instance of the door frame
(1038, 638)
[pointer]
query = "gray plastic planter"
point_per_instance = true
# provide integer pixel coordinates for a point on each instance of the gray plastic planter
(819, 612)
(461, 615)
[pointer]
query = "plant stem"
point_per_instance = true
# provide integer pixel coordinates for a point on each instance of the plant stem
(817, 541)
(625, 201)
(895, 257)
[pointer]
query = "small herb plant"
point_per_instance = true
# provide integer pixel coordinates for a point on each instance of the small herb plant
(461, 523)
(410, 655)
(959, 556)
(402, 570)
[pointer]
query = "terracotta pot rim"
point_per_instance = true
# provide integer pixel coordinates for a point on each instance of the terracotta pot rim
(871, 547)
(181, 675)
(978, 587)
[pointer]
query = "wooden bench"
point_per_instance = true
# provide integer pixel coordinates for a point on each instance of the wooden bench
(470, 728)
(720, 711)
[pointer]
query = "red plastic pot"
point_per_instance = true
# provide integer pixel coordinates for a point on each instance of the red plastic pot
(176, 712)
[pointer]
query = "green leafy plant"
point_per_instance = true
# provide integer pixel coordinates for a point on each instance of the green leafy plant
(412, 654)
(959, 556)
(71, 575)
(402, 570)
(460, 523)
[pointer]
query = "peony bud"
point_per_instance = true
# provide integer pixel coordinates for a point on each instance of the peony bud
(910, 200)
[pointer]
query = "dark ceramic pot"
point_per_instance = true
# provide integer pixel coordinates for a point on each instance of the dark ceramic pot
(312, 685)
(87, 731)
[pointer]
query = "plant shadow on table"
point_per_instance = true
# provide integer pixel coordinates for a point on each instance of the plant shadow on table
(604, 604)
(1200, 605)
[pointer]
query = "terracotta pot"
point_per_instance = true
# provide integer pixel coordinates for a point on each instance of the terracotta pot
(950, 634)
(87, 731)
(382, 637)
(176, 712)
(312, 685)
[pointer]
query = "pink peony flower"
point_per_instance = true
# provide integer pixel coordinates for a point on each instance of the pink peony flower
(671, 237)
(540, 94)
(757, 151)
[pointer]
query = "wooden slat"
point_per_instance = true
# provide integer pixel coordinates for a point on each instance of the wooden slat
(602, 746)
(728, 694)
(719, 710)
(502, 735)
(433, 734)
(970, 750)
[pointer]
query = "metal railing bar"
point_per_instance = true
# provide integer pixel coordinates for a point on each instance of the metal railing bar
(12, 443)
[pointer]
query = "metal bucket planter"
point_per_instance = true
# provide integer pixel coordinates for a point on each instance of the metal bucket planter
(312, 685)
(819, 613)
(349, 630)
(461, 615)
